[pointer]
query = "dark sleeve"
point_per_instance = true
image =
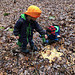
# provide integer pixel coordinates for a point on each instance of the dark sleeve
(39, 29)
(17, 27)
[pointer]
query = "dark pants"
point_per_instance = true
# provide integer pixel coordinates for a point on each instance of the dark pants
(24, 45)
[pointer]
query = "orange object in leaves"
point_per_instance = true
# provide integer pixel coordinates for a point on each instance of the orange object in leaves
(33, 11)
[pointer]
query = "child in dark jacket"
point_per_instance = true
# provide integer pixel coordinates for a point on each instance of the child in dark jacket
(53, 34)
(23, 29)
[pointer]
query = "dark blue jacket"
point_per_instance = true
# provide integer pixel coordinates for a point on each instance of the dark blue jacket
(21, 28)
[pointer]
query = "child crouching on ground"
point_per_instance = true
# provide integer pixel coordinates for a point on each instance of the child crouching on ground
(53, 34)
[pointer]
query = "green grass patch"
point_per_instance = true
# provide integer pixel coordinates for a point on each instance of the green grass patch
(6, 14)
(1, 28)
(52, 17)
(11, 29)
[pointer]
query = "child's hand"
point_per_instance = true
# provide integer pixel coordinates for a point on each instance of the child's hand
(46, 36)
(58, 36)
(17, 37)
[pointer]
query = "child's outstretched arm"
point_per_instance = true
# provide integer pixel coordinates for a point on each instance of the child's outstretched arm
(40, 30)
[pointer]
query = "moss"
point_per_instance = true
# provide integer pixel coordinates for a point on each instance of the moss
(11, 29)
(6, 14)
(1, 28)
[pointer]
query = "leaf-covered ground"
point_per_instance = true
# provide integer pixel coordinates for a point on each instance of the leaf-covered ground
(60, 12)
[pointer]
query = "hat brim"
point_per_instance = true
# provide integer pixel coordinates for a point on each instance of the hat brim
(33, 14)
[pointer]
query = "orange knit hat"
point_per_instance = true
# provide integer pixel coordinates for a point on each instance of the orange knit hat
(33, 11)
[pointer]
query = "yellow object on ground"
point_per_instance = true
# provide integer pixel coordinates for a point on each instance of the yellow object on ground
(51, 54)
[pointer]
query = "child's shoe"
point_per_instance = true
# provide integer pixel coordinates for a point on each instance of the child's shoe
(25, 51)
(34, 48)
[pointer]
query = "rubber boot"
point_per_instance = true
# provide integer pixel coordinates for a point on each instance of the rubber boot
(34, 48)
(25, 51)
